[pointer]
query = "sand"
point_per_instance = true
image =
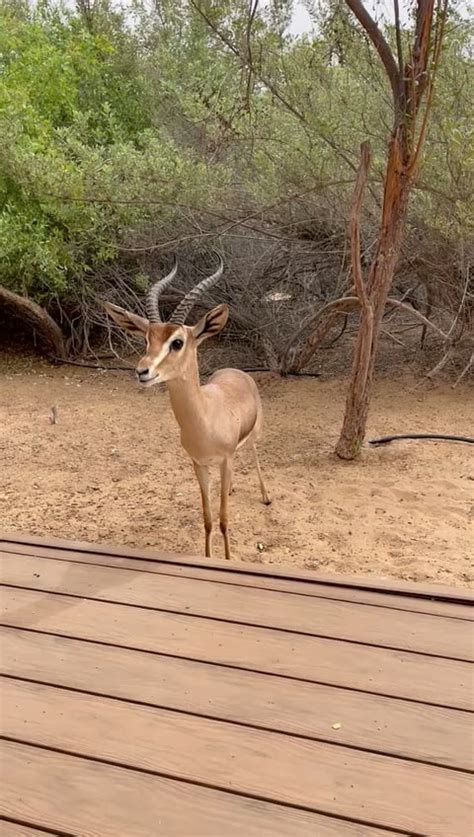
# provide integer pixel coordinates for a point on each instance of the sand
(112, 470)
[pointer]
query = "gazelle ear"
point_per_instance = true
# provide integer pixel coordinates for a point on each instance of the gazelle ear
(132, 323)
(212, 323)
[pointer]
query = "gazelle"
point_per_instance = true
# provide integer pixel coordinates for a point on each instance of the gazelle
(216, 418)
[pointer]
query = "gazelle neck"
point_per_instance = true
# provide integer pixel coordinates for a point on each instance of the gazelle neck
(186, 397)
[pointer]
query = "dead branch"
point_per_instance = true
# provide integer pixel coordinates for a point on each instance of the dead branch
(427, 79)
(464, 371)
(396, 303)
(441, 364)
(398, 37)
(361, 181)
(292, 362)
(344, 305)
(253, 6)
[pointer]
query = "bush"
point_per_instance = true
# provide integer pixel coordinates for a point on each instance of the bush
(127, 136)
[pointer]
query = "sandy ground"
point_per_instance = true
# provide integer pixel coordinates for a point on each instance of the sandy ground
(111, 469)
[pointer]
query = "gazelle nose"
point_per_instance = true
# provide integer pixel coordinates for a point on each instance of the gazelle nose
(142, 374)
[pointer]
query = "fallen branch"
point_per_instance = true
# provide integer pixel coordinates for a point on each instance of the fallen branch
(441, 364)
(464, 371)
(35, 316)
(414, 313)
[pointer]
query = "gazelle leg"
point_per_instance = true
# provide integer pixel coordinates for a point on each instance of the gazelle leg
(202, 473)
(265, 497)
(226, 479)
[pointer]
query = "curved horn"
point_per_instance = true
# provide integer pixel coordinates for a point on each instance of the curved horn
(153, 295)
(187, 303)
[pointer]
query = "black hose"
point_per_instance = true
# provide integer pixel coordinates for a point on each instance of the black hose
(445, 438)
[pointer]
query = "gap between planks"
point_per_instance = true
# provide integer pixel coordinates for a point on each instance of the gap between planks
(8, 828)
(102, 800)
(347, 621)
(386, 725)
(402, 588)
(414, 677)
(381, 599)
(312, 776)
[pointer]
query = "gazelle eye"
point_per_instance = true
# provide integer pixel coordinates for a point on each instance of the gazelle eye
(176, 345)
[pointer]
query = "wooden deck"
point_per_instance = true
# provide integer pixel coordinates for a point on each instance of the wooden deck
(149, 695)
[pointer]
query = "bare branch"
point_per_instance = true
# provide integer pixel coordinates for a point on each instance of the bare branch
(441, 364)
(354, 225)
(253, 6)
(428, 78)
(421, 46)
(344, 305)
(464, 371)
(395, 303)
(399, 37)
(383, 49)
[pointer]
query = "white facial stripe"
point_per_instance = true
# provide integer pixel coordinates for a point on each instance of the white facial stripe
(165, 349)
(159, 357)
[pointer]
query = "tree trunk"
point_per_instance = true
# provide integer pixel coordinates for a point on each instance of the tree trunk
(358, 398)
(397, 188)
(40, 321)
(409, 81)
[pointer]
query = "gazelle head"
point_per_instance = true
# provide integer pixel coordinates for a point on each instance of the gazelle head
(171, 346)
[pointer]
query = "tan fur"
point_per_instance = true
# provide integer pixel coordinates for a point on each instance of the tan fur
(215, 419)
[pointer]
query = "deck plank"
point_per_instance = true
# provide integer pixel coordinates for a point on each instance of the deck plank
(309, 587)
(342, 620)
(400, 674)
(391, 585)
(145, 693)
(384, 725)
(11, 829)
(265, 765)
(99, 800)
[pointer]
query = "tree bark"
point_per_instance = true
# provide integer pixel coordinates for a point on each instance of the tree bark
(29, 312)
(408, 85)
(358, 395)
(397, 187)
